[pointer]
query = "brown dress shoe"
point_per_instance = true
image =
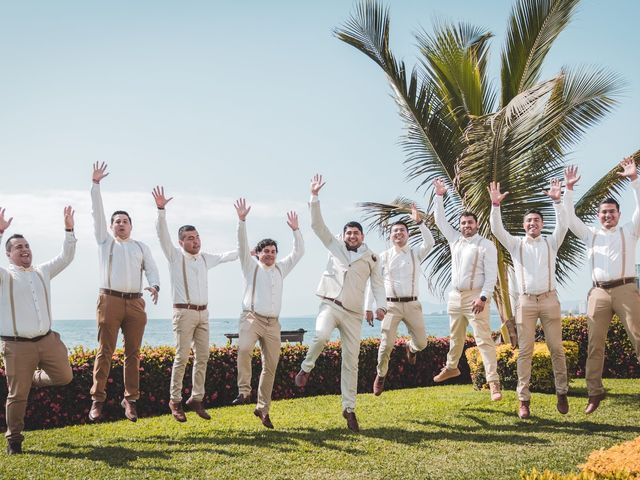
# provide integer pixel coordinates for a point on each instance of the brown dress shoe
(241, 400)
(95, 413)
(302, 378)
(563, 403)
(196, 406)
(130, 410)
(446, 374)
(177, 411)
(14, 447)
(594, 403)
(264, 418)
(524, 411)
(352, 421)
(411, 356)
(378, 385)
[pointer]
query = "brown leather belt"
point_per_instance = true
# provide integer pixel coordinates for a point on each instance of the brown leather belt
(24, 339)
(401, 299)
(333, 300)
(189, 306)
(615, 283)
(539, 295)
(115, 293)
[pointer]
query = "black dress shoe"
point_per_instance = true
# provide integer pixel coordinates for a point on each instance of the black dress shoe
(14, 447)
(241, 400)
(352, 421)
(264, 418)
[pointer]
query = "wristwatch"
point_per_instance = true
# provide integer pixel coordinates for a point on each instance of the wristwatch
(483, 298)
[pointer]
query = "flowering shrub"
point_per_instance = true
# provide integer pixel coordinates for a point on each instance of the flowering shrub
(620, 358)
(69, 405)
(541, 368)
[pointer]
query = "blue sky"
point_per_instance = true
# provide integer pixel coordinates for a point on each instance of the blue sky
(216, 100)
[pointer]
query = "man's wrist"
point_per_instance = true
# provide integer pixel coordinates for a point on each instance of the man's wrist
(160, 208)
(483, 298)
(66, 230)
(97, 182)
(156, 288)
(495, 204)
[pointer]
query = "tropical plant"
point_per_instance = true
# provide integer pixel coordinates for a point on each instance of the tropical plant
(461, 128)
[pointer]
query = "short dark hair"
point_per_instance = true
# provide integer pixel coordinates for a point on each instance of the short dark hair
(400, 222)
(266, 242)
(611, 201)
(120, 212)
(467, 213)
(184, 229)
(535, 212)
(353, 224)
(7, 244)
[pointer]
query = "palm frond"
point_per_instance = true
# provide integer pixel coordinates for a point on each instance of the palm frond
(533, 27)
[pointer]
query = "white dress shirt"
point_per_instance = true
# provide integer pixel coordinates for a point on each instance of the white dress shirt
(267, 300)
(195, 267)
(401, 268)
(474, 261)
(31, 302)
(605, 250)
(534, 259)
(130, 257)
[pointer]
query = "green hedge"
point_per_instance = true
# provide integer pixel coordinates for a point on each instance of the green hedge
(69, 405)
(541, 368)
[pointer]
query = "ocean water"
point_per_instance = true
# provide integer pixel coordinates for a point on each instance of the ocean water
(159, 331)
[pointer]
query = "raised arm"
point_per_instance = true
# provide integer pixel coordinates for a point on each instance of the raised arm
(244, 251)
(576, 225)
(317, 222)
(630, 171)
(290, 261)
(97, 209)
(427, 238)
(161, 224)
(59, 263)
(495, 219)
(440, 218)
(562, 225)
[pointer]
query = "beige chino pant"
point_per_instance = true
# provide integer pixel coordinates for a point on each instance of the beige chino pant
(265, 330)
(191, 331)
(460, 316)
(602, 304)
(546, 307)
(21, 360)
(411, 314)
(113, 314)
(349, 325)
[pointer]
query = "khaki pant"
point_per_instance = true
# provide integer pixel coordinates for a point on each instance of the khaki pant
(266, 330)
(113, 314)
(21, 360)
(460, 316)
(191, 330)
(349, 325)
(411, 314)
(546, 307)
(602, 304)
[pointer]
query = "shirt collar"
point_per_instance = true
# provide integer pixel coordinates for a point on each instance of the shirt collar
(404, 249)
(529, 239)
(21, 269)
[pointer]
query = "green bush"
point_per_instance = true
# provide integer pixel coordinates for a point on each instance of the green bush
(541, 368)
(69, 405)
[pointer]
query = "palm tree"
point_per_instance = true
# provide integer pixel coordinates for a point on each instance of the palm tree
(461, 128)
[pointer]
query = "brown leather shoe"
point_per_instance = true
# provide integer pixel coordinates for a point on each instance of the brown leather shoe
(594, 403)
(563, 403)
(177, 411)
(264, 418)
(411, 356)
(352, 421)
(14, 447)
(446, 374)
(130, 410)
(95, 413)
(241, 400)
(378, 385)
(302, 378)
(524, 411)
(196, 406)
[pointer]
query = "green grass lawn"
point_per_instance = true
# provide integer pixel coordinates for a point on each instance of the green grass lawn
(445, 432)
